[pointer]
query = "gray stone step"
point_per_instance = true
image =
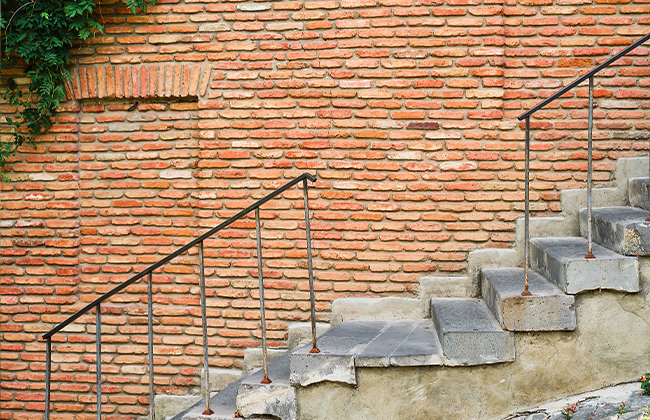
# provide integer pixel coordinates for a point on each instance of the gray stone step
(621, 229)
(277, 399)
(548, 309)
(353, 344)
(638, 192)
(469, 332)
(562, 260)
(248, 398)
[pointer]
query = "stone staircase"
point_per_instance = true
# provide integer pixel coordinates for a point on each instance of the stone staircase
(464, 321)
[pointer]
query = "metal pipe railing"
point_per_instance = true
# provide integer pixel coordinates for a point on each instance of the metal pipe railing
(526, 116)
(96, 304)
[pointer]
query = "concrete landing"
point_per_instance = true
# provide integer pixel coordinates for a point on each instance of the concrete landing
(621, 229)
(548, 309)
(366, 344)
(562, 261)
(638, 192)
(469, 333)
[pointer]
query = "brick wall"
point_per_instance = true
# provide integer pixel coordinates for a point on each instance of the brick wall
(405, 110)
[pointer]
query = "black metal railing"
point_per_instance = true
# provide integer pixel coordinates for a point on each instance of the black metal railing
(96, 304)
(526, 116)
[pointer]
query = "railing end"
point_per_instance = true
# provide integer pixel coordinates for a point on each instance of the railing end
(521, 117)
(310, 177)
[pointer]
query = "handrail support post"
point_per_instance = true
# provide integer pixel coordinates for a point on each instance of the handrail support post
(526, 292)
(204, 322)
(590, 127)
(260, 276)
(310, 267)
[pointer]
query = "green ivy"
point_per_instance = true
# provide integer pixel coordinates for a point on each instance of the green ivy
(38, 35)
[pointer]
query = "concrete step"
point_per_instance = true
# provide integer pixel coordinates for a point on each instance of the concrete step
(277, 399)
(562, 260)
(621, 229)
(249, 398)
(638, 192)
(548, 309)
(352, 344)
(469, 332)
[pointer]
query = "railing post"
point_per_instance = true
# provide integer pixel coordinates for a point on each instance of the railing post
(204, 320)
(312, 297)
(260, 276)
(48, 377)
(98, 350)
(590, 254)
(526, 292)
(150, 324)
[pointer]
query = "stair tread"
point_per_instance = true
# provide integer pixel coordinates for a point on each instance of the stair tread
(224, 402)
(548, 309)
(562, 260)
(574, 248)
(369, 342)
(469, 332)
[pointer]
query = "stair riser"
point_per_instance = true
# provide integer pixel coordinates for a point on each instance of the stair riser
(638, 192)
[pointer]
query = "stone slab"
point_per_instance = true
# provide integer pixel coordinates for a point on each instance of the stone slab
(621, 229)
(562, 261)
(300, 333)
(366, 344)
(253, 358)
(638, 192)
(170, 405)
(372, 309)
(219, 378)
(469, 333)
(279, 401)
(548, 309)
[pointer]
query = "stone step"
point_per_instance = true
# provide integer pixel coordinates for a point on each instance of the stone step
(621, 229)
(562, 260)
(249, 398)
(469, 332)
(277, 399)
(638, 192)
(352, 344)
(548, 309)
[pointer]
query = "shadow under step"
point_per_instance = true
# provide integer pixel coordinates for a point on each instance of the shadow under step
(621, 229)
(469, 332)
(638, 192)
(352, 344)
(548, 309)
(562, 261)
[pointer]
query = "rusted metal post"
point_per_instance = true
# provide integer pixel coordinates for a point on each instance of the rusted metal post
(260, 276)
(204, 320)
(98, 348)
(48, 377)
(526, 292)
(590, 254)
(310, 267)
(150, 324)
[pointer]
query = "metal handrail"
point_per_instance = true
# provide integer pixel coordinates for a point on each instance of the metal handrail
(584, 77)
(175, 254)
(148, 272)
(526, 116)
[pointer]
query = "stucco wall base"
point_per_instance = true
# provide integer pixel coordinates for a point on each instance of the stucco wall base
(609, 346)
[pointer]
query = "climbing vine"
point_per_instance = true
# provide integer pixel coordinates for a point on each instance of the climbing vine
(38, 35)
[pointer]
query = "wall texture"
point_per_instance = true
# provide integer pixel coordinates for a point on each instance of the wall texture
(405, 110)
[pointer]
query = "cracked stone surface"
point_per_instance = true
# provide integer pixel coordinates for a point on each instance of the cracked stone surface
(353, 344)
(621, 402)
